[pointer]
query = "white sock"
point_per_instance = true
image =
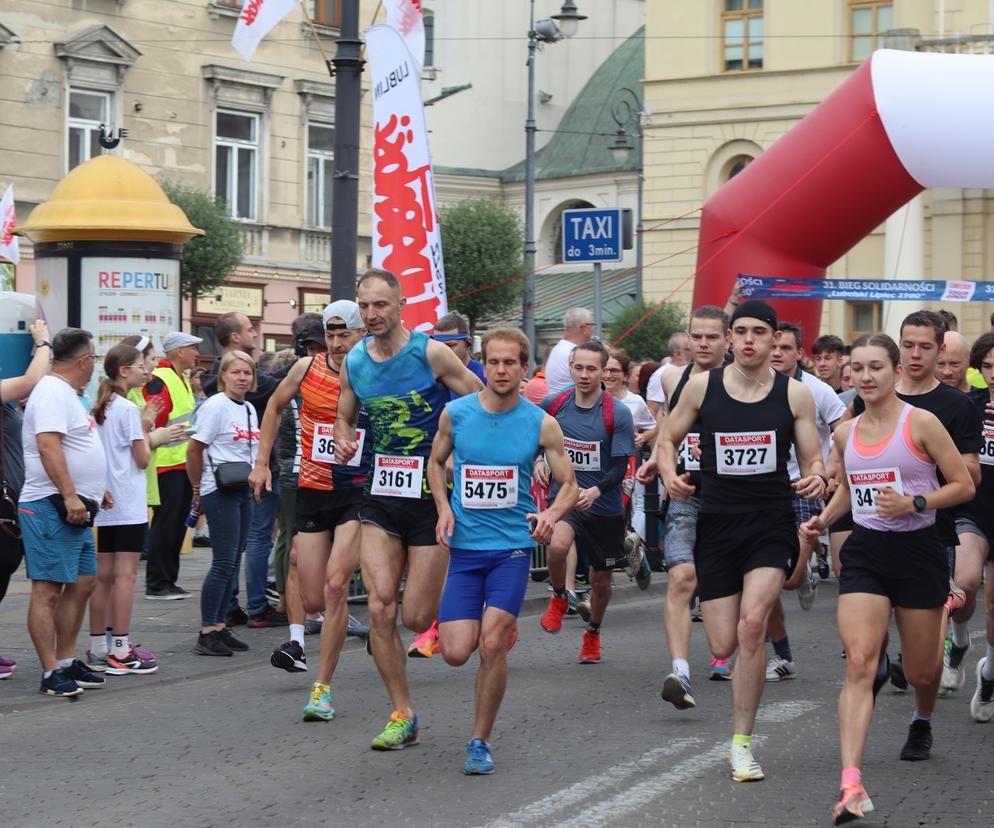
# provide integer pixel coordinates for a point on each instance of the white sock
(297, 633)
(122, 645)
(107, 637)
(48, 673)
(988, 671)
(961, 634)
(98, 645)
(681, 667)
(66, 662)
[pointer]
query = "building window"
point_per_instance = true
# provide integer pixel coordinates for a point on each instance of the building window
(429, 24)
(320, 158)
(867, 23)
(236, 158)
(328, 13)
(742, 35)
(863, 318)
(87, 111)
(735, 166)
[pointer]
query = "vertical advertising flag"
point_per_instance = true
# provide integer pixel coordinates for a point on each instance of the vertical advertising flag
(9, 248)
(257, 19)
(406, 17)
(406, 237)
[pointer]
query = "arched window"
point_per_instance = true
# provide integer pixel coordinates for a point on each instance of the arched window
(555, 223)
(735, 166)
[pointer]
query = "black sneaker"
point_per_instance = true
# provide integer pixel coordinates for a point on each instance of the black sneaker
(83, 675)
(201, 541)
(236, 618)
(269, 618)
(821, 562)
(289, 657)
(164, 594)
(59, 684)
(644, 576)
(178, 590)
(211, 645)
(232, 640)
(897, 677)
(919, 743)
(272, 594)
(878, 680)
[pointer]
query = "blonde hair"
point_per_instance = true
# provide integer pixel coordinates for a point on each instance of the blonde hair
(512, 335)
(226, 361)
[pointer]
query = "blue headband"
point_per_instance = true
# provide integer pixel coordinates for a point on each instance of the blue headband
(453, 337)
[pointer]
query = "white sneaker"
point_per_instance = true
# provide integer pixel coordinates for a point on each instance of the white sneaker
(953, 678)
(807, 591)
(633, 554)
(777, 669)
(982, 703)
(744, 767)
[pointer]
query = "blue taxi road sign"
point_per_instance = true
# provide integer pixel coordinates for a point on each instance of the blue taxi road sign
(592, 235)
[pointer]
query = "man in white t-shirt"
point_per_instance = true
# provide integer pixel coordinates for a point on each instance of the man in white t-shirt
(679, 355)
(64, 485)
(578, 327)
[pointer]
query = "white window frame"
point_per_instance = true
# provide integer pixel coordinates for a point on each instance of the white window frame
(316, 204)
(236, 147)
(86, 125)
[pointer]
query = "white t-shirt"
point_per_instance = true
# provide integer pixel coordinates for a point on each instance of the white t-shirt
(230, 431)
(557, 375)
(654, 387)
(640, 411)
(56, 407)
(126, 482)
(828, 409)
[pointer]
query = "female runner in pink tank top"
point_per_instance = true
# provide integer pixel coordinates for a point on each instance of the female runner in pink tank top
(893, 559)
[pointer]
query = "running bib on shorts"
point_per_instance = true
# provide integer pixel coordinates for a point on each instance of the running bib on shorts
(690, 462)
(397, 476)
(489, 487)
(323, 446)
(583, 455)
(746, 452)
(987, 446)
(863, 487)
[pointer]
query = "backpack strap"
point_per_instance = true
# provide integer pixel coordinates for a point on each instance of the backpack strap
(560, 400)
(607, 411)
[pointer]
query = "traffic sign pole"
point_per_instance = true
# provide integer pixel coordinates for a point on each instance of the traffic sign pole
(598, 316)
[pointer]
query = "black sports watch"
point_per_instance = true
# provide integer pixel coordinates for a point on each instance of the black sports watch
(920, 503)
(43, 344)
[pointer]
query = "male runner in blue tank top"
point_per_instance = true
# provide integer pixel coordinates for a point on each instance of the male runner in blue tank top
(403, 379)
(747, 543)
(495, 436)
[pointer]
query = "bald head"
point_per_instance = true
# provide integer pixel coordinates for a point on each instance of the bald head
(953, 361)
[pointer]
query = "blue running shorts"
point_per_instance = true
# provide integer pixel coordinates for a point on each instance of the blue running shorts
(476, 578)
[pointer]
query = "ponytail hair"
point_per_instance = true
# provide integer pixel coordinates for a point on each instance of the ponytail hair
(117, 357)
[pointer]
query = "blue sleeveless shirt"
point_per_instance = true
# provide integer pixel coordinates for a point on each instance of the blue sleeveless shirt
(493, 447)
(402, 396)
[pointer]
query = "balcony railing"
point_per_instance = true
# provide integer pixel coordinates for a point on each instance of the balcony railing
(315, 246)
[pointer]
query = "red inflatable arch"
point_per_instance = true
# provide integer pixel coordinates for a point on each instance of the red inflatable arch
(902, 122)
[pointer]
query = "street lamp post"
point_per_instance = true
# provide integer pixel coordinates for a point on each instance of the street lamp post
(626, 109)
(541, 31)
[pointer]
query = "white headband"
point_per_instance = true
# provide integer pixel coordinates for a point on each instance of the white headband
(142, 343)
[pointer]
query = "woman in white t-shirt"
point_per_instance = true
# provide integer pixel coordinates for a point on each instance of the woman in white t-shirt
(227, 435)
(121, 529)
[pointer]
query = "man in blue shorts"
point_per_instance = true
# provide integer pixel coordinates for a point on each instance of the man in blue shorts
(495, 436)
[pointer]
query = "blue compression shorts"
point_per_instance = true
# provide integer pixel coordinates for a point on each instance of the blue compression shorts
(476, 578)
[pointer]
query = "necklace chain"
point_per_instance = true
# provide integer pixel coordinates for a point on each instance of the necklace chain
(760, 383)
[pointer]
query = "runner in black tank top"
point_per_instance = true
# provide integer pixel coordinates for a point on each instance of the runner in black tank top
(709, 338)
(749, 416)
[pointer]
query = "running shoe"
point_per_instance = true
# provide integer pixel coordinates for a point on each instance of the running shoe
(678, 692)
(919, 743)
(6, 672)
(807, 591)
(721, 669)
(779, 669)
(179, 591)
(897, 677)
(165, 594)
(232, 641)
(644, 576)
(8, 662)
(953, 671)
(83, 676)
(290, 657)
(512, 638)
(854, 803)
(210, 644)
(479, 762)
(956, 599)
(880, 679)
(583, 607)
(269, 618)
(130, 663)
(552, 620)
(744, 767)
(590, 651)
(59, 684)
(695, 611)
(144, 655)
(401, 732)
(822, 564)
(272, 594)
(96, 663)
(426, 644)
(319, 708)
(982, 703)
(236, 618)
(356, 628)
(571, 601)
(312, 626)
(633, 554)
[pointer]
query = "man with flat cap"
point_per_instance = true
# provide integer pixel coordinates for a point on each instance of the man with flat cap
(170, 386)
(747, 543)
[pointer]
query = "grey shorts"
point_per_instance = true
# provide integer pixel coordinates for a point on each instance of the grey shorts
(966, 525)
(681, 531)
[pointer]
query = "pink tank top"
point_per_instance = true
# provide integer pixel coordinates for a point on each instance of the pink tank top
(896, 463)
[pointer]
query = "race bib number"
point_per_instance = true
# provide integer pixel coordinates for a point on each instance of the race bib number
(323, 445)
(489, 487)
(987, 446)
(863, 486)
(746, 452)
(397, 476)
(583, 455)
(690, 462)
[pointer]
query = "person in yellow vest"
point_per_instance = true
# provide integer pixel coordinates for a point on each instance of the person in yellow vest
(171, 387)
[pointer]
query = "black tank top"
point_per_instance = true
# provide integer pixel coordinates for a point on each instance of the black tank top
(745, 448)
(693, 435)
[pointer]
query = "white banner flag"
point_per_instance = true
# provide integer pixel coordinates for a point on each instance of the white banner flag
(256, 20)
(8, 222)
(406, 17)
(406, 238)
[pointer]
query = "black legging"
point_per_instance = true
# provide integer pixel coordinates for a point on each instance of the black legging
(11, 553)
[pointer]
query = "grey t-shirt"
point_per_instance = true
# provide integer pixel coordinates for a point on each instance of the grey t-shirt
(13, 452)
(587, 445)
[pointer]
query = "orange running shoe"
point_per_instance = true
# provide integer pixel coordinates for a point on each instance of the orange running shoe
(512, 638)
(426, 644)
(956, 599)
(590, 652)
(854, 803)
(552, 621)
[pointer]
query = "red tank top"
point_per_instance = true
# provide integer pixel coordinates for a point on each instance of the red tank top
(319, 393)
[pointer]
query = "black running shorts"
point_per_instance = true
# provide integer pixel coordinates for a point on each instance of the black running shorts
(413, 521)
(600, 537)
(319, 511)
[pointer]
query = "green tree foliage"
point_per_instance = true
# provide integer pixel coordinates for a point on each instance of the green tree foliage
(208, 260)
(482, 244)
(649, 341)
